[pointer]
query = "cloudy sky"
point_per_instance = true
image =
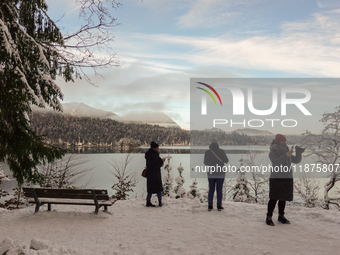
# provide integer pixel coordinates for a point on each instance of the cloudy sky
(161, 44)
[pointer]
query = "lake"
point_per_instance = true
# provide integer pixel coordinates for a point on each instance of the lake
(101, 173)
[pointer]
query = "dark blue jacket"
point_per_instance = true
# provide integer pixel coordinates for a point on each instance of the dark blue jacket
(211, 160)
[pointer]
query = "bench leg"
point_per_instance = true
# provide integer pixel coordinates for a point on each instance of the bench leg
(95, 201)
(37, 202)
(106, 210)
(37, 208)
(49, 207)
(97, 209)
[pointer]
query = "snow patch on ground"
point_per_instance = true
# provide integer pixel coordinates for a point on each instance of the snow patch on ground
(181, 226)
(37, 247)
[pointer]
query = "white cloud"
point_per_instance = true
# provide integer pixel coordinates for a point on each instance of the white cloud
(302, 48)
(213, 13)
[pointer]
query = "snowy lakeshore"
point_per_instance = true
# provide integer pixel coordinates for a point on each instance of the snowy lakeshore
(181, 226)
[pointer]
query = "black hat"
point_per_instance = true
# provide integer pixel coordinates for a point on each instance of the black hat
(154, 145)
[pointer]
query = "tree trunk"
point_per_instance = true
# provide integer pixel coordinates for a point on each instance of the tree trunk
(328, 186)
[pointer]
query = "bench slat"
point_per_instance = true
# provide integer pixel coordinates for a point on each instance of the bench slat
(69, 196)
(107, 203)
(68, 191)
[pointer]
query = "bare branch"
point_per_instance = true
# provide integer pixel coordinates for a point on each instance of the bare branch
(83, 48)
(66, 172)
(126, 179)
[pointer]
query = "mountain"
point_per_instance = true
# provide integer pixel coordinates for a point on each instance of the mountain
(83, 110)
(244, 131)
(138, 117)
(215, 130)
(152, 118)
(253, 132)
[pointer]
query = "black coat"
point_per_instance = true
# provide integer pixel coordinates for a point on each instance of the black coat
(281, 184)
(153, 166)
(211, 160)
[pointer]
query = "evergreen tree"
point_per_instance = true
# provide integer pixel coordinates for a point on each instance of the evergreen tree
(168, 179)
(33, 52)
(179, 189)
(194, 191)
(29, 64)
(241, 190)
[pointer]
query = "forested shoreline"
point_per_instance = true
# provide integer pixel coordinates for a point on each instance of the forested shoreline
(67, 131)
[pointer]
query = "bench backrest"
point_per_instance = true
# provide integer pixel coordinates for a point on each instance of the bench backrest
(66, 193)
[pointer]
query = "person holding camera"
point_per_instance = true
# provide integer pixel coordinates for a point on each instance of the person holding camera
(281, 184)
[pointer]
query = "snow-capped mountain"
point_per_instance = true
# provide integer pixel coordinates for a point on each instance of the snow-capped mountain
(244, 131)
(253, 132)
(145, 117)
(215, 130)
(83, 110)
(153, 118)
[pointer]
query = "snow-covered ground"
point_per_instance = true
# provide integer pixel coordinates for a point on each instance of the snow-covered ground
(181, 226)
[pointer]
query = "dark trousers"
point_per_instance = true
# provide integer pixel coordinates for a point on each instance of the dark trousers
(271, 207)
(218, 184)
(159, 195)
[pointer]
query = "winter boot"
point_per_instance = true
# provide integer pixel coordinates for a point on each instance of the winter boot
(148, 204)
(283, 219)
(160, 204)
(299, 149)
(210, 208)
(269, 220)
(220, 208)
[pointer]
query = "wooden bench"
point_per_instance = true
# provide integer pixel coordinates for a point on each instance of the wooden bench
(41, 196)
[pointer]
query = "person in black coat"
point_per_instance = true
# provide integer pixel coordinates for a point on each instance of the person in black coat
(281, 184)
(215, 157)
(154, 178)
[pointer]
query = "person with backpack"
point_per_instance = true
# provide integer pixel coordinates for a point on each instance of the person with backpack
(212, 158)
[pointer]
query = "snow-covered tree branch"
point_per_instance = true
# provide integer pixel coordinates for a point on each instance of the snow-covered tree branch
(258, 183)
(326, 147)
(308, 190)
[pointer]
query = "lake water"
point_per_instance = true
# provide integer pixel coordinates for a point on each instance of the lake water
(101, 173)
